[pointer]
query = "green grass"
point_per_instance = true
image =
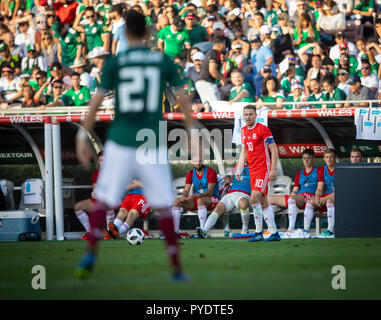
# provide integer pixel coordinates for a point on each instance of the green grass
(220, 269)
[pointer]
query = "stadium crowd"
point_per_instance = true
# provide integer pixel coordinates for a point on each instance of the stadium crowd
(264, 51)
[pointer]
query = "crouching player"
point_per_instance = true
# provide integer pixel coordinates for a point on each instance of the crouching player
(237, 197)
(304, 189)
(133, 206)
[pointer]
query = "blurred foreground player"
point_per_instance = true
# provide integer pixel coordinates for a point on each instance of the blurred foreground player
(257, 143)
(138, 76)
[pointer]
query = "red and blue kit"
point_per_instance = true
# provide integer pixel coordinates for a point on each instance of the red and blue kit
(256, 140)
(136, 200)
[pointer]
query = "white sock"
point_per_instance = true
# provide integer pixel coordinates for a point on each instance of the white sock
(211, 221)
(110, 216)
(202, 214)
(331, 216)
(308, 216)
(176, 212)
(245, 216)
(269, 216)
(292, 214)
(118, 223)
(123, 228)
(83, 219)
(258, 217)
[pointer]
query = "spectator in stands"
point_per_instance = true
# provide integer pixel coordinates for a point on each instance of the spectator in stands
(65, 10)
(280, 43)
(9, 84)
(32, 60)
(330, 20)
(241, 91)
(301, 8)
(341, 38)
(8, 60)
(119, 42)
(276, 7)
(345, 61)
(79, 67)
(69, 45)
(194, 71)
(356, 155)
(260, 56)
(314, 71)
(316, 48)
(25, 35)
(342, 81)
(173, 39)
(239, 53)
(315, 93)
(97, 57)
(210, 73)
(305, 31)
(296, 95)
(57, 98)
(358, 92)
(258, 21)
(156, 10)
(331, 92)
(49, 48)
(365, 9)
(28, 97)
(79, 95)
(367, 78)
(196, 32)
(271, 93)
(219, 31)
(9, 40)
(289, 77)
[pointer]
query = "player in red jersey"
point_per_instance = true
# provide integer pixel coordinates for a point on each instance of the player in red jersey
(257, 143)
(133, 206)
(84, 207)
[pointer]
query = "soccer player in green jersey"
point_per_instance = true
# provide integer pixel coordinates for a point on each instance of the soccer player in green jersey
(138, 76)
(79, 95)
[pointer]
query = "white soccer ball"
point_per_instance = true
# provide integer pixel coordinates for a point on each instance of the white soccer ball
(135, 236)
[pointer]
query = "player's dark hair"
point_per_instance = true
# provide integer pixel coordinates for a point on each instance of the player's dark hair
(135, 23)
(330, 150)
(75, 74)
(265, 92)
(251, 107)
(309, 152)
(356, 149)
(237, 70)
(89, 8)
(119, 8)
(329, 78)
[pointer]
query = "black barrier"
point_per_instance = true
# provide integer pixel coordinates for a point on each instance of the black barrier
(358, 200)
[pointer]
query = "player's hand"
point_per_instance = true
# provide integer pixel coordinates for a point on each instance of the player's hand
(238, 175)
(272, 175)
(83, 151)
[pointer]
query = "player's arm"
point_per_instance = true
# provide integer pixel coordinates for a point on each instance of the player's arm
(241, 162)
(186, 191)
(274, 156)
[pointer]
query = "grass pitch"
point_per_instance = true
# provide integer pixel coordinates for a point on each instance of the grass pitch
(220, 269)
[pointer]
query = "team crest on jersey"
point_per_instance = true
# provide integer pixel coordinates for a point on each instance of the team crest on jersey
(94, 30)
(81, 96)
(179, 37)
(67, 40)
(254, 136)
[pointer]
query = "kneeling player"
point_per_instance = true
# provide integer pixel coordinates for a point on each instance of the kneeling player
(304, 189)
(133, 206)
(323, 201)
(237, 197)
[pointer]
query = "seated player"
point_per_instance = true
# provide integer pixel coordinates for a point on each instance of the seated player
(356, 155)
(304, 189)
(205, 194)
(84, 207)
(237, 197)
(133, 206)
(323, 201)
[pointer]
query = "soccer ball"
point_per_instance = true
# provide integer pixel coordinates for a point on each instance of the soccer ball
(135, 236)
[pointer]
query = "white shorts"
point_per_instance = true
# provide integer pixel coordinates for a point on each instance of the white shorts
(231, 200)
(120, 166)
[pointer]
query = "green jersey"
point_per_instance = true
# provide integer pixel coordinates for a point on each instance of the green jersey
(245, 87)
(315, 97)
(174, 42)
(272, 98)
(197, 34)
(291, 98)
(69, 44)
(337, 95)
(285, 83)
(93, 34)
(138, 75)
(65, 99)
(79, 98)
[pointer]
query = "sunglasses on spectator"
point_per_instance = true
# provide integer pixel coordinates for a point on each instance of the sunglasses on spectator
(365, 67)
(281, 19)
(324, 68)
(39, 78)
(57, 87)
(342, 74)
(88, 17)
(49, 16)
